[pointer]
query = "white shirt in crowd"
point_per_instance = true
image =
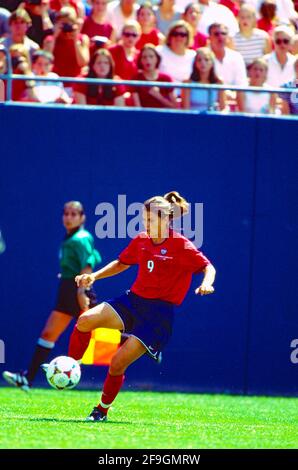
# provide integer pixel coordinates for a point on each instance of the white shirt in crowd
(278, 75)
(253, 47)
(28, 44)
(48, 92)
(179, 67)
(214, 13)
(256, 102)
(116, 18)
(232, 68)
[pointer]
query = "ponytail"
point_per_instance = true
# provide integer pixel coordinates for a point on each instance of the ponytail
(172, 205)
(180, 205)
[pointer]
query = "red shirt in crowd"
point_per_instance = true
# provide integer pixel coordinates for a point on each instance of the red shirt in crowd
(125, 68)
(18, 90)
(266, 25)
(165, 270)
(199, 40)
(233, 6)
(56, 5)
(151, 38)
(100, 98)
(91, 28)
(148, 101)
(65, 59)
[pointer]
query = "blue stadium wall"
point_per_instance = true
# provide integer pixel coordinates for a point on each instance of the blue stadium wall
(244, 170)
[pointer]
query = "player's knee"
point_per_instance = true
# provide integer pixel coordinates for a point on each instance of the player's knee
(84, 323)
(48, 334)
(117, 366)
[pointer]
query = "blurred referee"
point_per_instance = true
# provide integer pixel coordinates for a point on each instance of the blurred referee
(77, 256)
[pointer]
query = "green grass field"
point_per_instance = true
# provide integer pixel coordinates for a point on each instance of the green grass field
(49, 419)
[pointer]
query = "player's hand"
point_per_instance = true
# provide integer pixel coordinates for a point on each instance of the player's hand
(83, 299)
(204, 289)
(85, 280)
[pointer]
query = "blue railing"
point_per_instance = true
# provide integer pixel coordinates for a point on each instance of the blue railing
(9, 77)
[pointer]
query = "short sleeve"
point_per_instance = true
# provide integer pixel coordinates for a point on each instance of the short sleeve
(192, 259)
(130, 254)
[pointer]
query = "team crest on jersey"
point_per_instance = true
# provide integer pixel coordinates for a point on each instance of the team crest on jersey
(163, 251)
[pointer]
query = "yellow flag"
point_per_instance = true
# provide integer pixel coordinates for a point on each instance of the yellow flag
(103, 344)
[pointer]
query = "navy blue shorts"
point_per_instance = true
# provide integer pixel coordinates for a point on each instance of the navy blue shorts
(149, 320)
(67, 301)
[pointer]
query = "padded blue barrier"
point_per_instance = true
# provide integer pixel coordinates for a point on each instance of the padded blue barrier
(273, 324)
(51, 155)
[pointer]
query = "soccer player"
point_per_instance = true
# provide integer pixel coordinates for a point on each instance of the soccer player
(77, 256)
(166, 261)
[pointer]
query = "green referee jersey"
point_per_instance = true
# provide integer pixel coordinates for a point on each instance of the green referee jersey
(77, 252)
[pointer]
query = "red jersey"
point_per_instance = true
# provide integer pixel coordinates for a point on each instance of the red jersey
(166, 269)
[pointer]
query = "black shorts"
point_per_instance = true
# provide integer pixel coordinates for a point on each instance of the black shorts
(149, 320)
(67, 301)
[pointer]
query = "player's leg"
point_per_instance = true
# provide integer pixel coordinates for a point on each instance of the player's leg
(56, 324)
(129, 352)
(101, 316)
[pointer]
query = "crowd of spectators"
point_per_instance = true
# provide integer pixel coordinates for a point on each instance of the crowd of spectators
(225, 42)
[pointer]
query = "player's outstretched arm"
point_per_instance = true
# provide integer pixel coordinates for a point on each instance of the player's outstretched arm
(207, 284)
(115, 267)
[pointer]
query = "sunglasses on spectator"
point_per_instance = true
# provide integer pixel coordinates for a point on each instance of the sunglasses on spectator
(220, 33)
(126, 34)
(180, 34)
(282, 41)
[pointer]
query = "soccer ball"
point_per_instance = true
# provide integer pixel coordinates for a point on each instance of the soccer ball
(63, 373)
